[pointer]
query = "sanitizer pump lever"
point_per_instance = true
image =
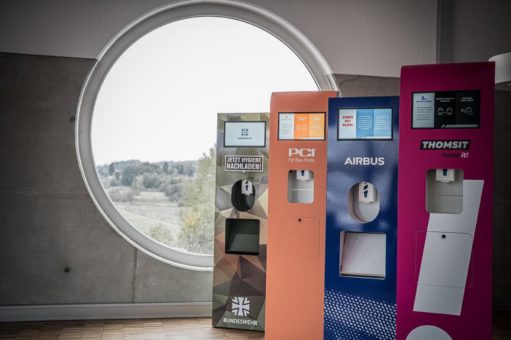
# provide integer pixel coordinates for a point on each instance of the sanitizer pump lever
(247, 188)
(445, 175)
(366, 193)
(303, 175)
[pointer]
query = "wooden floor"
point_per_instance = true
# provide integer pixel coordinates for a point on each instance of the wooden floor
(175, 329)
(172, 329)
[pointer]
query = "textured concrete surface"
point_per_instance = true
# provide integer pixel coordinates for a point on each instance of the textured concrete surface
(502, 201)
(48, 221)
(364, 86)
(37, 105)
(355, 36)
(43, 236)
(47, 218)
(164, 287)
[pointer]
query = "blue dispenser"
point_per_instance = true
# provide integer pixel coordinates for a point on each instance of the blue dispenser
(361, 220)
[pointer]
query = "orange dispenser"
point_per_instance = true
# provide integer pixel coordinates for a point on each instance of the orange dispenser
(296, 201)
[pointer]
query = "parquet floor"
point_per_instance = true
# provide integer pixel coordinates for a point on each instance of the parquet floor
(148, 329)
(139, 329)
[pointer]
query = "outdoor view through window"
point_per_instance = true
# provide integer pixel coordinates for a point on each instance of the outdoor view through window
(154, 121)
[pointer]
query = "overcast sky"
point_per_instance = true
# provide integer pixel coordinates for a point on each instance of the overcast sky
(160, 100)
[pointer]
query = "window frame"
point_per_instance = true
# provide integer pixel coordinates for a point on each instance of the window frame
(248, 13)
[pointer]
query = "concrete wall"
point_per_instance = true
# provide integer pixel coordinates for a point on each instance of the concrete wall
(474, 30)
(47, 218)
(366, 37)
(48, 221)
(502, 187)
(362, 86)
(356, 36)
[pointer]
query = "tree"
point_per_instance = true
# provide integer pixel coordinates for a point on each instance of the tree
(166, 167)
(162, 234)
(174, 192)
(137, 185)
(151, 181)
(197, 216)
(179, 168)
(129, 174)
(111, 169)
(188, 169)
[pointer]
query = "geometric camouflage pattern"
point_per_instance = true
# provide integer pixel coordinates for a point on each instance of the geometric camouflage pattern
(239, 281)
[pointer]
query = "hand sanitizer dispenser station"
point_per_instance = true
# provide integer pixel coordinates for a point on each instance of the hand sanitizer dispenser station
(445, 202)
(361, 219)
(296, 235)
(239, 272)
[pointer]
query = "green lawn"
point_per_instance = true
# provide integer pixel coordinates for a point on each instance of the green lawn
(150, 209)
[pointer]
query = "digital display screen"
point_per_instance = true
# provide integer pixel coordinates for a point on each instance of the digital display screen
(446, 110)
(365, 123)
(245, 134)
(241, 236)
(301, 126)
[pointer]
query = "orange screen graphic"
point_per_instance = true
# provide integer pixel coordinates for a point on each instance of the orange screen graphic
(299, 126)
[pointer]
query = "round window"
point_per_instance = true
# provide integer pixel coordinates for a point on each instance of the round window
(146, 121)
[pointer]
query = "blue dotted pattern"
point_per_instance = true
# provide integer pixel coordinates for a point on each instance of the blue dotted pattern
(354, 317)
